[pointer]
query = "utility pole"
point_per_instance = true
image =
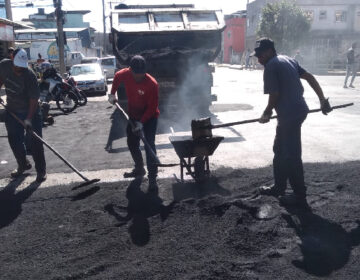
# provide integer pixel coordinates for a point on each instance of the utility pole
(8, 10)
(60, 31)
(104, 24)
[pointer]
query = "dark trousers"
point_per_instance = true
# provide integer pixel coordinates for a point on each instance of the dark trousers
(133, 143)
(16, 138)
(287, 162)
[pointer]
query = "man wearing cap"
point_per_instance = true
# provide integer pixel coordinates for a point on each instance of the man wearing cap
(282, 83)
(22, 94)
(142, 92)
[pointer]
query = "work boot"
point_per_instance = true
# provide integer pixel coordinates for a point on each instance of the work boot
(135, 173)
(153, 186)
(41, 177)
(345, 86)
(293, 200)
(20, 170)
(351, 86)
(272, 190)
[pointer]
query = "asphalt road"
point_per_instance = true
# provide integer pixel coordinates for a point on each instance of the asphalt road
(81, 136)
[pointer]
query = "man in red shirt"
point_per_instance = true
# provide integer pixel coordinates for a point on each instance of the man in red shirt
(142, 92)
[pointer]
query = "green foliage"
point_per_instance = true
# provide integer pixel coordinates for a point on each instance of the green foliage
(286, 24)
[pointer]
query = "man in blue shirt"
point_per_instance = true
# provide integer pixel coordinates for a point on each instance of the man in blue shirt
(282, 83)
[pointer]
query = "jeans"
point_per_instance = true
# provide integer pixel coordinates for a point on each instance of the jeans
(16, 138)
(351, 69)
(287, 162)
(133, 143)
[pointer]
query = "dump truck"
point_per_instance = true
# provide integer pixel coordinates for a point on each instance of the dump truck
(178, 43)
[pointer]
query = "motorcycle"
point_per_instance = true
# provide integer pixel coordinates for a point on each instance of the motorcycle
(82, 98)
(53, 87)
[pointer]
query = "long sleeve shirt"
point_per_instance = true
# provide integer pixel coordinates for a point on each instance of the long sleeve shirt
(143, 97)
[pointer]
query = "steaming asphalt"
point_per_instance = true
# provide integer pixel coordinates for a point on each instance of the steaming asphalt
(332, 138)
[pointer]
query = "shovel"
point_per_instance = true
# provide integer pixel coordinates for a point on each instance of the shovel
(202, 127)
(146, 143)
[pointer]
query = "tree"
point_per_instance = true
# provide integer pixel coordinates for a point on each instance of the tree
(286, 24)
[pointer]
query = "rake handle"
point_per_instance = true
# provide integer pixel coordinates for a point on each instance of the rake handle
(46, 144)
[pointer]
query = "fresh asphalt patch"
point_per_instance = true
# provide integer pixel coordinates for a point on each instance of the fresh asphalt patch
(219, 229)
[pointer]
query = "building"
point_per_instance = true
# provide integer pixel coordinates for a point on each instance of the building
(79, 36)
(234, 37)
(335, 25)
(73, 19)
(2, 9)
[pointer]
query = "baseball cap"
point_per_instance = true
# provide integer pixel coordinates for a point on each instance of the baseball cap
(138, 64)
(262, 45)
(21, 58)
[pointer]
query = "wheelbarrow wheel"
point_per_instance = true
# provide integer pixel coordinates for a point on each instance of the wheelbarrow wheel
(200, 173)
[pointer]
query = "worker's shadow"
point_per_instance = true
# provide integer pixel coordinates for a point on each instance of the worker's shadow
(117, 129)
(325, 245)
(11, 201)
(197, 190)
(141, 206)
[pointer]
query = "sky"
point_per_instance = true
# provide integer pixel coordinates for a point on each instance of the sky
(95, 6)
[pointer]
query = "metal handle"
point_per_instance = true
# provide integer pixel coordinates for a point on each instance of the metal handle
(273, 117)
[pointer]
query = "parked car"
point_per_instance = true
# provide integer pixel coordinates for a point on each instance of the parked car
(86, 60)
(108, 63)
(89, 78)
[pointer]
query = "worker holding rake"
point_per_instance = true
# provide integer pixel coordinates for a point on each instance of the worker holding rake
(142, 92)
(22, 94)
(282, 76)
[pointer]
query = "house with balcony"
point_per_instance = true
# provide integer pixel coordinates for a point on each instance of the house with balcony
(335, 25)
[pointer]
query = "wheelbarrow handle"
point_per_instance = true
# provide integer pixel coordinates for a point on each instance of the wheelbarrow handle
(273, 117)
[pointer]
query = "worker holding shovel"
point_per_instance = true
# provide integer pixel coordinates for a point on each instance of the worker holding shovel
(282, 76)
(142, 92)
(22, 94)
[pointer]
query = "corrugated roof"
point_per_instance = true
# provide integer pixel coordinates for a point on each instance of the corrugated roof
(12, 23)
(49, 30)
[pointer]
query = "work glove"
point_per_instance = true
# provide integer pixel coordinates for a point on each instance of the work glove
(137, 128)
(265, 117)
(112, 99)
(325, 106)
(28, 124)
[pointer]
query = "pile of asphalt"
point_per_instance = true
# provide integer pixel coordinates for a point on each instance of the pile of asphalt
(220, 229)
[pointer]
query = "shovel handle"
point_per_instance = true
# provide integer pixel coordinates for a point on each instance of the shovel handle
(142, 137)
(273, 117)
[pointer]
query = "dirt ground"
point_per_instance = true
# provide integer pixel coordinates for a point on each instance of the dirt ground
(220, 229)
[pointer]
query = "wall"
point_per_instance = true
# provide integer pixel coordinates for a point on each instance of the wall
(75, 20)
(234, 39)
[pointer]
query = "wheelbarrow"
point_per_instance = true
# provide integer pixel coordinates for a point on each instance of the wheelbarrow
(194, 155)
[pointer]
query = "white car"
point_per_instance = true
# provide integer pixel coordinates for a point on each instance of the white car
(89, 78)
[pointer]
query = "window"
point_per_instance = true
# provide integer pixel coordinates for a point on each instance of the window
(340, 16)
(229, 34)
(322, 15)
(108, 61)
(309, 14)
